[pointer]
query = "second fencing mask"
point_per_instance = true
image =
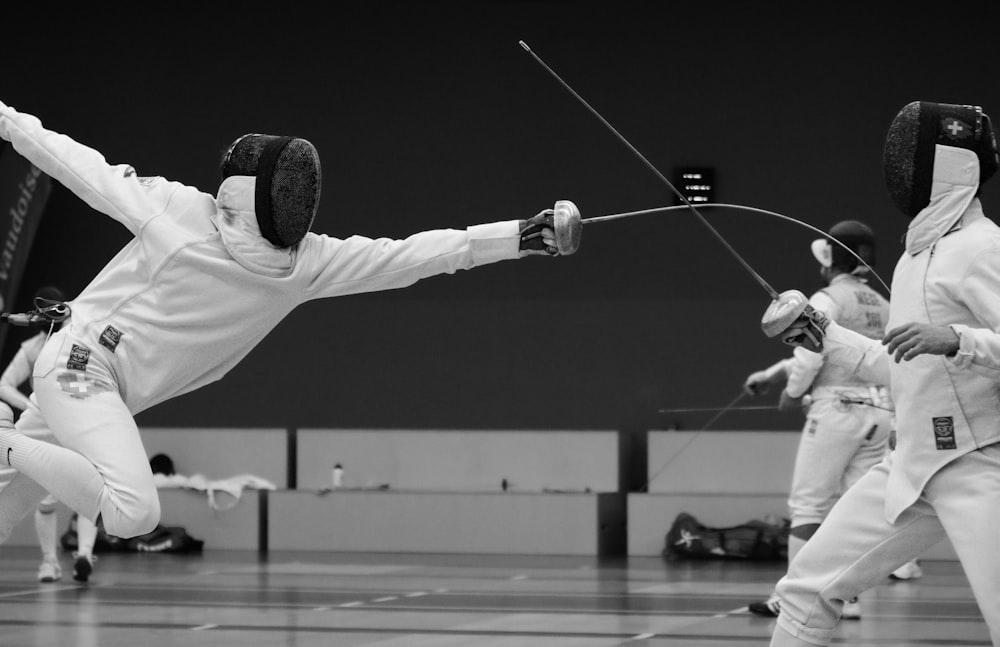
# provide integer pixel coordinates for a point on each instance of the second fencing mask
(288, 183)
(911, 144)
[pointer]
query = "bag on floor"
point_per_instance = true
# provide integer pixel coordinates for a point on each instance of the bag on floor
(162, 539)
(754, 540)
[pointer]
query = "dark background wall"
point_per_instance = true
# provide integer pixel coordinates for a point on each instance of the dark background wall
(429, 114)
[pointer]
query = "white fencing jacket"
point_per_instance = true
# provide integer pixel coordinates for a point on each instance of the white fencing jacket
(198, 287)
(949, 275)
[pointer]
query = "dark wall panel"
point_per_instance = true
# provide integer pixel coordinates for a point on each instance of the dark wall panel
(431, 115)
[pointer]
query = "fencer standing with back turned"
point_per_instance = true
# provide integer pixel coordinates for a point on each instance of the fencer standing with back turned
(941, 359)
(204, 279)
(848, 419)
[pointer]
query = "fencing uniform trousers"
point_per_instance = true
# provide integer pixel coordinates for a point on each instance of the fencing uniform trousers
(856, 548)
(839, 443)
(96, 465)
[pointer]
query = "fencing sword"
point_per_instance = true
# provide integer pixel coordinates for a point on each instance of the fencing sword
(785, 307)
(742, 207)
(757, 407)
(720, 412)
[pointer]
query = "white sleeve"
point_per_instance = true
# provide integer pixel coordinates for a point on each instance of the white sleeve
(867, 358)
(979, 348)
(803, 368)
(114, 190)
(359, 264)
(778, 368)
(806, 364)
(978, 351)
(824, 303)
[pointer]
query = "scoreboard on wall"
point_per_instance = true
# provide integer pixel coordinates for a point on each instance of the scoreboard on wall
(696, 184)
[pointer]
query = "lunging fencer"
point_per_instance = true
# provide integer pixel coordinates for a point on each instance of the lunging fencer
(940, 357)
(202, 282)
(848, 419)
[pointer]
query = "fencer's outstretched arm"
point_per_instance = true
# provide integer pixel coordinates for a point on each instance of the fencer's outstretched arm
(114, 190)
(866, 358)
(361, 264)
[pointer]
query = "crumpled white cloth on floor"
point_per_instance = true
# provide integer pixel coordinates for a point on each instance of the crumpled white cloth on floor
(232, 486)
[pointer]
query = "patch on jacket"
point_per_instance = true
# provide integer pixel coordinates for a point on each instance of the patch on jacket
(944, 432)
(110, 338)
(78, 358)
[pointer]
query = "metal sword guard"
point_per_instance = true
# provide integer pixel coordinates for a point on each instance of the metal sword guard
(784, 310)
(568, 227)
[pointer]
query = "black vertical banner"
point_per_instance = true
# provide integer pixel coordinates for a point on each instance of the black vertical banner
(24, 189)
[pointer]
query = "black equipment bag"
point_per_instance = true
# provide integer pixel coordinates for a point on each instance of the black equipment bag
(754, 540)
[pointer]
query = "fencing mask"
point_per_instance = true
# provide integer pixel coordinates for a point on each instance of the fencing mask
(857, 236)
(910, 145)
(288, 183)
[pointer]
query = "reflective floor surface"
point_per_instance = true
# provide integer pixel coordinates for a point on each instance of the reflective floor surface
(241, 599)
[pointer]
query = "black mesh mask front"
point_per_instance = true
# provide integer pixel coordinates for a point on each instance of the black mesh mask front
(289, 180)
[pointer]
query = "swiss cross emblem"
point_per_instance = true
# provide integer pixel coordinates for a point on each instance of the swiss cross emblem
(956, 129)
(80, 385)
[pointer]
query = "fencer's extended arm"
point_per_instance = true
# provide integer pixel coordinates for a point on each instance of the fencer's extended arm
(360, 264)
(114, 190)
(866, 357)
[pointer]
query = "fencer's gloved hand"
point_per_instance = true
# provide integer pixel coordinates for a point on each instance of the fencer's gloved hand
(759, 383)
(538, 236)
(553, 232)
(807, 330)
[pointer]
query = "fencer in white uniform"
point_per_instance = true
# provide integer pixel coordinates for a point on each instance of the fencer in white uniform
(848, 419)
(203, 280)
(941, 359)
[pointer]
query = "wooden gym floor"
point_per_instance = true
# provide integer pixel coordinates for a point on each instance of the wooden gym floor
(240, 599)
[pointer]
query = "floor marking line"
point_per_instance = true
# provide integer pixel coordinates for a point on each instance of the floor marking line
(15, 594)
